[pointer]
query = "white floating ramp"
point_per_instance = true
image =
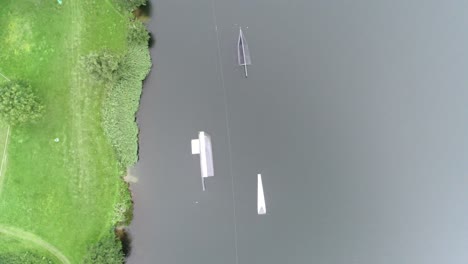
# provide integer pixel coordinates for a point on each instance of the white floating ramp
(243, 53)
(202, 146)
(261, 207)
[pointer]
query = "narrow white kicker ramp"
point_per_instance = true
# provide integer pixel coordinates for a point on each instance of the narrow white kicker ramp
(261, 207)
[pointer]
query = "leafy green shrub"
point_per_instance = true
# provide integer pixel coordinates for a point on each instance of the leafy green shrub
(102, 66)
(136, 64)
(119, 108)
(121, 104)
(123, 209)
(18, 103)
(131, 5)
(137, 33)
(108, 250)
(24, 258)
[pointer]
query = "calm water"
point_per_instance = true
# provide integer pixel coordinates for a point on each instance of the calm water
(355, 112)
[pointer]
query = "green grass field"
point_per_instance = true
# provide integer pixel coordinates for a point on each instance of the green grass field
(57, 197)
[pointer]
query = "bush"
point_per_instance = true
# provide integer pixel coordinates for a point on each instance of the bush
(18, 103)
(121, 104)
(123, 209)
(108, 250)
(137, 33)
(119, 108)
(135, 65)
(102, 66)
(131, 5)
(24, 258)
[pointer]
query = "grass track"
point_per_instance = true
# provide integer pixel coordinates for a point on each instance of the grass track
(20, 234)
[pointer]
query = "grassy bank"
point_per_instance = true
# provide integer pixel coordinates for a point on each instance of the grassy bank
(59, 196)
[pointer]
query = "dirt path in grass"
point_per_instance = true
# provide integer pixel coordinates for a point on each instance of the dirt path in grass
(4, 160)
(23, 235)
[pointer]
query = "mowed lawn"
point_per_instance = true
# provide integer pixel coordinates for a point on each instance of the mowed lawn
(58, 196)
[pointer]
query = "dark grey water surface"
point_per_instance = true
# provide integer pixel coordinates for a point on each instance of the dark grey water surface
(355, 112)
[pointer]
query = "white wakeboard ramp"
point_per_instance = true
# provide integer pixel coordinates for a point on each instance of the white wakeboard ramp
(202, 146)
(243, 53)
(261, 207)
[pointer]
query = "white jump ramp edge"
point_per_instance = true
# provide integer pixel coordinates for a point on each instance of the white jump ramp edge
(202, 146)
(261, 206)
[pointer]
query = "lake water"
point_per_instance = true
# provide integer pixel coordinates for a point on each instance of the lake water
(355, 113)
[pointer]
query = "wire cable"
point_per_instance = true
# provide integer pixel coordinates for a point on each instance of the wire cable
(228, 130)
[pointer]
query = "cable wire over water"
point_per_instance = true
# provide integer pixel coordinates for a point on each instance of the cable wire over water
(219, 68)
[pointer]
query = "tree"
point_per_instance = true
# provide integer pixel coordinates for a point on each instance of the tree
(137, 33)
(102, 66)
(108, 250)
(18, 103)
(135, 64)
(131, 5)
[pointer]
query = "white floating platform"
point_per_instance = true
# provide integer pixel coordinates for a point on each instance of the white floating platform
(202, 146)
(261, 207)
